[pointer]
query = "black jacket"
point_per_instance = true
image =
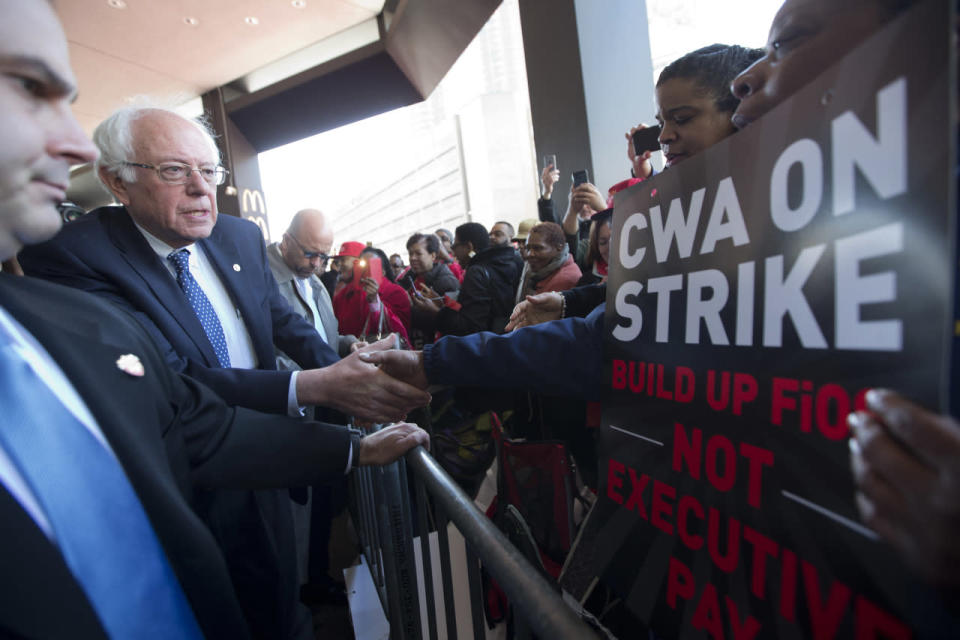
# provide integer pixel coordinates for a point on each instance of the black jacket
(486, 295)
(441, 279)
(422, 324)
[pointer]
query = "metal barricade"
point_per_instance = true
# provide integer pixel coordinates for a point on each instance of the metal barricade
(388, 524)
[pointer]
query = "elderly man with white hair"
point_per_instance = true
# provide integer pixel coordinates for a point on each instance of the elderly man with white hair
(199, 283)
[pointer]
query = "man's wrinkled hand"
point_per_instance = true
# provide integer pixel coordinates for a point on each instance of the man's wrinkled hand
(402, 365)
(906, 466)
(388, 444)
(542, 307)
(357, 387)
(356, 346)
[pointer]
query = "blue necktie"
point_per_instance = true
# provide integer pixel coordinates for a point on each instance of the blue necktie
(98, 522)
(201, 305)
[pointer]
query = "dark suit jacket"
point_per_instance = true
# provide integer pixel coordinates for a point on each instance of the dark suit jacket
(104, 253)
(173, 437)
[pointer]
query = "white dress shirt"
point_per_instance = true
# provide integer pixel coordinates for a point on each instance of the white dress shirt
(305, 287)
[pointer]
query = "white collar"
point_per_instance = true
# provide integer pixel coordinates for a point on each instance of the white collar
(159, 247)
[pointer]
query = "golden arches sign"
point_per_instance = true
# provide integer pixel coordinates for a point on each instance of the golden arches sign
(254, 208)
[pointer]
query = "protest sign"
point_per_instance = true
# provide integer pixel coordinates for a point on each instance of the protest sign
(757, 290)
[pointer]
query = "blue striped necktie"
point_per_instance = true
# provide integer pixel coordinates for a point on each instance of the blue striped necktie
(98, 522)
(201, 305)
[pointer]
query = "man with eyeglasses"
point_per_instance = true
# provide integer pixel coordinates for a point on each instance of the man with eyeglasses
(200, 285)
(295, 261)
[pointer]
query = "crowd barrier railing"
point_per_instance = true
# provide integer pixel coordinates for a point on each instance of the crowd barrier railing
(409, 504)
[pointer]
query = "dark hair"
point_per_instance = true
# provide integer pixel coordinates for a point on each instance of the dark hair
(552, 233)
(593, 253)
(433, 242)
(387, 269)
(474, 233)
(713, 68)
(509, 226)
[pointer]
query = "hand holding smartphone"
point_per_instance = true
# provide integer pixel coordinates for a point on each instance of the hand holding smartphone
(408, 283)
(646, 140)
(368, 268)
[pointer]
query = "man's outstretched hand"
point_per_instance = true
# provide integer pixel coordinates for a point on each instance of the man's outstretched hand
(388, 444)
(402, 365)
(356, 387)
(906, 465)
(542, 307)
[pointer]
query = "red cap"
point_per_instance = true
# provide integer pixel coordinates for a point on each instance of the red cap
(352, 249)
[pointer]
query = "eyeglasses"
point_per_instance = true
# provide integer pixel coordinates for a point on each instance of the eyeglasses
(179, 173)
(309, 255)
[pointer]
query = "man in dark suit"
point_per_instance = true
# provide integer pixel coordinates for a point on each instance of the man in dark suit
(201, 286)
(174, 438)
(169, 204)
(90, 364)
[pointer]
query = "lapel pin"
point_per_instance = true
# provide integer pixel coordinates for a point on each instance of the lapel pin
(236, 267)
(130, 365)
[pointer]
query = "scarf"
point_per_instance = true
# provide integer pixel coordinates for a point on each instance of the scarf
(530, 277)
(600, 268)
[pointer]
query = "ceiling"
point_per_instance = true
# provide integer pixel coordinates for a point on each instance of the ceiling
(182, 48)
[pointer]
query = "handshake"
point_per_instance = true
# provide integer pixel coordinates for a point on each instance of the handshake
(382, 384)
(400, 365)
(376, 383)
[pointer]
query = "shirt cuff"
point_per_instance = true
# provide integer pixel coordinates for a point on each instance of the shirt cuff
(294, 410)
(355, 436)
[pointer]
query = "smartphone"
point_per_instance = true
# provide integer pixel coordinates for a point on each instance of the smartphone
(646, 139)
(407, 282)
(580, 177)
(368, 268)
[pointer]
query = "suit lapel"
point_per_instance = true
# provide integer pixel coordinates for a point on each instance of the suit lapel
(141, 257)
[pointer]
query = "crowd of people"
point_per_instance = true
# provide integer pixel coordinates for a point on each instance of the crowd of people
(205, 382)
(904, 459)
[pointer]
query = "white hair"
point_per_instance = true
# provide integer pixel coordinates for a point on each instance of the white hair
(114, 137)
